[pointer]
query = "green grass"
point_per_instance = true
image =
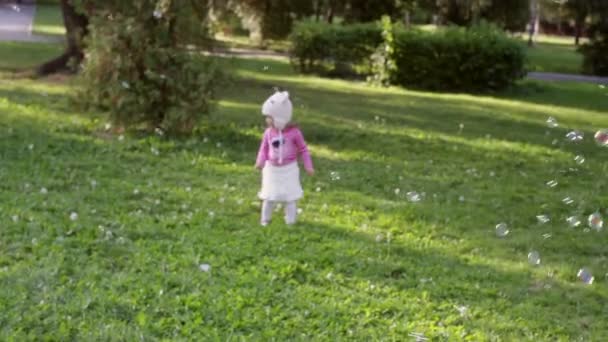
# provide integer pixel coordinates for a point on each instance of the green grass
(554, 57)
(19, 55)
(48, 20)
(127, 267)
(244, 42)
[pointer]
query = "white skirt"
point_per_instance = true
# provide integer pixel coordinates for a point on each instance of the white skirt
(281, 183)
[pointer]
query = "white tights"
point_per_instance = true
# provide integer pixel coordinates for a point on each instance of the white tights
(291, 211)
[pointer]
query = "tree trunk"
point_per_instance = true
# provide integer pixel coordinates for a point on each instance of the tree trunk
(76, 28)
(330, 12)
(534, 13)
(578, 30)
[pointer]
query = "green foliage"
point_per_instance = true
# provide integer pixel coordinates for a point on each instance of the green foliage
(136, 67)
(595, 53)
(314, 45)
(382, 60)
(459, 59)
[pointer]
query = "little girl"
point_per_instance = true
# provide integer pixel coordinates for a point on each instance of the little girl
(278, 159)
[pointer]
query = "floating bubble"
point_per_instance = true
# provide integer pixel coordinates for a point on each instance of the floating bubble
(462, 309)
(568, 200)
(585, 276)
(334, 175)
(318, 189)
(601, 137)
(136, 192)
(93, 183)
(551, 122)
(461, 198)
(379, 238)
(158, 131)
(502, 229)
(125, 84)
(397, 191)
(595, 221)
(419, 337)
(413, 196)
(157, 14)
(30, 147)
(542, 219)
(573, 221)
(73, 216)
(43, 191)
(552, 183)
(15, 218)
(575, 136)
(534, 258)
(579, 159)
(154, 151)
(188, 189)
(204, 267)
(121, 137)
(547, 235)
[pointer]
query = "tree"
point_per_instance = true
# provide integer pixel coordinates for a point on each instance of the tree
(579, 9)
(135, 63)
(76, 25)
(533, 23)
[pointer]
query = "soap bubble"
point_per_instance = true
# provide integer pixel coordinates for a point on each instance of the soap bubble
(502, 229)
(551, 122)
(575, 136)
(534, 258)
(601, 137)
(585, 276)
(413, 196)
(595, 221)
(579, 159)
(573, 221)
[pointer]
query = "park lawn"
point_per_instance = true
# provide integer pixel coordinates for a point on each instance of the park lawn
(48, 20)
(554, 57)
(18, 55)
(103, 235)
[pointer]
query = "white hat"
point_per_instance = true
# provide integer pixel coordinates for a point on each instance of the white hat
(279, 108)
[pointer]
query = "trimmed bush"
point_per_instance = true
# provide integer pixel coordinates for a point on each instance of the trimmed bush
(595, 53)
(333, 48)
(457, 59)
(135, 70)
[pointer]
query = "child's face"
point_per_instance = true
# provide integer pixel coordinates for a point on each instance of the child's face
(269, 121)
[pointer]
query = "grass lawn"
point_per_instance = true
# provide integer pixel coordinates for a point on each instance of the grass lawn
(48, 20)
(554, 57)
(103, 238)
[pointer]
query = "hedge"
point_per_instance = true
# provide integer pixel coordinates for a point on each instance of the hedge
(455, 59)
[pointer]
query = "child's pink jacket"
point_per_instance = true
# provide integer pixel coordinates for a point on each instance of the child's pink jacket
(293, 144)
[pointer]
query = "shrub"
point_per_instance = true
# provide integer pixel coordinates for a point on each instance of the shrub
(315, 45)
(457, 59)
(595, 53)
(134, 69)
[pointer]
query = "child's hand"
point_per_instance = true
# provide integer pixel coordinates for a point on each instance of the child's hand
(311, 172)
(257, 167)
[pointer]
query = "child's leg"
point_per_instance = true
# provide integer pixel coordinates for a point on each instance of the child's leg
(267, 208)
(291, 212)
